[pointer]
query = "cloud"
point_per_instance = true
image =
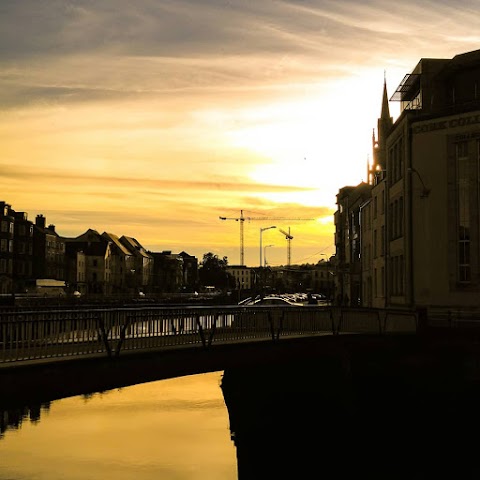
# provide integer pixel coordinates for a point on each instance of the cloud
(72, 51)
(9, 172)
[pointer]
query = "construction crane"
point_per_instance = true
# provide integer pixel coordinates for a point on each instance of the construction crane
(289, 244)
(242, 219)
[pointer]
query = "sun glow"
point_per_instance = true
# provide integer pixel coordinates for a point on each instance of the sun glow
(321, 141)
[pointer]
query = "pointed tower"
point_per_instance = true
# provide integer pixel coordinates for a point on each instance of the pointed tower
(384, 124)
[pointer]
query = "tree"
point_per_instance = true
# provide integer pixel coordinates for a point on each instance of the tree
(213, 271)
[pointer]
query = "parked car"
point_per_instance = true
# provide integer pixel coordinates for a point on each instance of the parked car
(273, 300)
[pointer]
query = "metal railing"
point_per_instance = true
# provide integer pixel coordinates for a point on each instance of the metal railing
(55, 334)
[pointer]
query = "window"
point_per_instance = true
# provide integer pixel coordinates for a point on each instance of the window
(382, 282)
(401, 275)
(390, 162)
(463, 214)
(400, 217)
(400, 157)
(390, 223)
(20, 268)
(3, 245)
(395, 219)
(4, 226)
(382, 241)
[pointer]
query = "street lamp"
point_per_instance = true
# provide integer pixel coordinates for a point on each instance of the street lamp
(425, 190)
(265, 254)
(261, 232)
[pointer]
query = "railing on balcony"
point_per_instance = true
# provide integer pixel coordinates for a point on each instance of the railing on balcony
(57, 334)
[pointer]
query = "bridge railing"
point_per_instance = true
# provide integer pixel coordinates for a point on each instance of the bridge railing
(47, 334)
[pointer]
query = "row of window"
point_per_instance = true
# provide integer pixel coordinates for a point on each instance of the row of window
(379, 282)
(6, 266)
(53, 244)
(395, 210)
(464, 207)
(397, 275)
(396, 278)
(23, 268)
(379, 243)
(395, 162)
(6, 245)
(6, 227)
(22, 231)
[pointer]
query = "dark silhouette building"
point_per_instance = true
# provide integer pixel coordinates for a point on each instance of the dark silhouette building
(7, 228)
(48, 251)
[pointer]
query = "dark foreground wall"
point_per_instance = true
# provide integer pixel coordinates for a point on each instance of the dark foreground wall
(50, 380)
(328, 407)
(411, 411)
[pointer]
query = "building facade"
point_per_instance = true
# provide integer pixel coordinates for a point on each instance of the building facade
(142, 270)
(7, 226)
(48, 251)
(434, 187)
(348, 244)
(420, 223)
(242, 276)
(22, 252)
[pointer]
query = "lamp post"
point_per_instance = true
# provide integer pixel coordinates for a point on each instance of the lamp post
(261, 232)
(425, 190)
(265, 254)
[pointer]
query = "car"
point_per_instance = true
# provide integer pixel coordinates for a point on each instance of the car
(275, 300)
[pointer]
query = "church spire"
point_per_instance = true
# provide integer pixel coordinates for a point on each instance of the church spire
(384, 125)
(385, 114)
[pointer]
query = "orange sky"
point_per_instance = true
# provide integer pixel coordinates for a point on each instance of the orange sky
(153, 118)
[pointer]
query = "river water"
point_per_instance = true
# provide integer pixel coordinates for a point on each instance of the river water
(170, 429)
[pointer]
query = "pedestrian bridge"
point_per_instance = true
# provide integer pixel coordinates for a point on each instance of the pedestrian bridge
(56, 334)
(54, 353)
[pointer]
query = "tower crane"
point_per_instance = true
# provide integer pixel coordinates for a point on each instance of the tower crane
(241, 219)
(289, 244)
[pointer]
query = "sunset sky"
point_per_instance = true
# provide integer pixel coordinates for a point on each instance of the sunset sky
(152, 118)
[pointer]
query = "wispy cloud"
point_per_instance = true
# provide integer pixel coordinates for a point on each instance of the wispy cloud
(8, 172)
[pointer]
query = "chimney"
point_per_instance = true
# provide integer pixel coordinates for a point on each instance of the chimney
(51, 227)
(40, 221)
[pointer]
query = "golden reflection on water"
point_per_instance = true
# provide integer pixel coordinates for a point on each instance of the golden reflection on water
(171, 429)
